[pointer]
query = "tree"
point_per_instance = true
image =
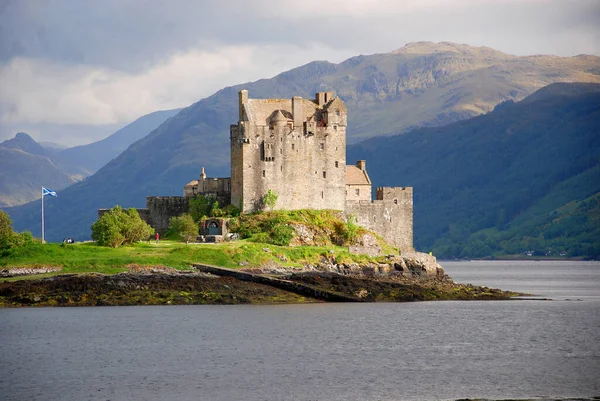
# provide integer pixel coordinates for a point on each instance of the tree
(270, 199)
(118, 227)
(201, 206)
(184, 226)
(6, 230)
(8, 238)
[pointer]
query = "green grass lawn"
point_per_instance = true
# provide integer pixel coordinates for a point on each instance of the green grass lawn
(89, 257)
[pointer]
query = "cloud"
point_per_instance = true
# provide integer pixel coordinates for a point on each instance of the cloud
(111, 61)
(36, 91)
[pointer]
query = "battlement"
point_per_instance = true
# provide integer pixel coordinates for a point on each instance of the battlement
(394, 194)
(390, 215)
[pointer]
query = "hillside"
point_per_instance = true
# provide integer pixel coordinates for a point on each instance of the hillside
(22, 175)
(25, 143)
(525, 177)
(421, 84)
(88, 159)
(25, 164)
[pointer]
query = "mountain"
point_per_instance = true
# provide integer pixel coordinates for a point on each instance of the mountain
(26, 165)
(53, 146)
(87, 159)
(524, 177)
(24, 168)
(25, 143)
(420, 84)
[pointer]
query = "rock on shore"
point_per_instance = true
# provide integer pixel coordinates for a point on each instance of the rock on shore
(413, 264)
(165, 287)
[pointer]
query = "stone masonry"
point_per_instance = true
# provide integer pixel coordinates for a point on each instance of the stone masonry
(295, 147)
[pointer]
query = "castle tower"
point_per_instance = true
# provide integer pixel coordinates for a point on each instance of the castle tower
(295, 147)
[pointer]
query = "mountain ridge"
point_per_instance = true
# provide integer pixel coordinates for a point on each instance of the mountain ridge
(21, 177)
(525, 177)
(385, 94)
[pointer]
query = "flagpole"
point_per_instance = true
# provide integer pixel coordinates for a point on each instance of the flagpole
(43, 240)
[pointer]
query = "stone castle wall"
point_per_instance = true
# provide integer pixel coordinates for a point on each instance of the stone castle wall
(208, 186)
(160, 209)
(389, 215)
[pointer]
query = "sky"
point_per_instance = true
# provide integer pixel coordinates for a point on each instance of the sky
(73, 72)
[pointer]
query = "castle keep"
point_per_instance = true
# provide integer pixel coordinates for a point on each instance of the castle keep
(297, 148)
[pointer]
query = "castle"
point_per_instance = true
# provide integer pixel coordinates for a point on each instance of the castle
(296, 148)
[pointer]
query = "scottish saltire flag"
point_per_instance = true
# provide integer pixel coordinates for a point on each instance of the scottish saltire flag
(46, 191)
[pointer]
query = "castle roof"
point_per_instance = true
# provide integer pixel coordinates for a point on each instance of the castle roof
(262, 110)
(356, 176)
(192, 183)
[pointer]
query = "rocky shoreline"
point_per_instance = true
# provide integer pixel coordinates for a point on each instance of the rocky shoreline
(406, 279)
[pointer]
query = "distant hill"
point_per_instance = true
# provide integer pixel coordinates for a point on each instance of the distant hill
(421, 84)
(26, 165)
(22, 174)
(25, 143)
(87, 159)
(525, 177)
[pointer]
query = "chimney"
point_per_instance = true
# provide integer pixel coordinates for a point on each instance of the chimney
(362, 165)
(320, 98)
(243, 101)
(297, 111)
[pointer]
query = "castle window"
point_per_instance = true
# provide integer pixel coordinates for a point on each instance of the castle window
(335, 127)
(336, 164)
(357, 191)
(281, 168)
(280, 151)
(292, 146)
(321, 146)
(337, 112)
(374, 218)
(322, 194)
(264, 173)
(324, 174)
(395, 201)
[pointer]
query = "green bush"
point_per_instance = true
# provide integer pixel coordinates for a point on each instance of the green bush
(270, 199)
(118, 227)
(281, 234)
(10, 240)
(352, 229)
(207, 206)
(184, 227)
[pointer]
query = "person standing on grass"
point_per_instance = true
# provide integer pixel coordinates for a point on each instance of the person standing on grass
(157, 237)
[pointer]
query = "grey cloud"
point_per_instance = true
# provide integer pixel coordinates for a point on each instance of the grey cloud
(104, 58)
(132, 34)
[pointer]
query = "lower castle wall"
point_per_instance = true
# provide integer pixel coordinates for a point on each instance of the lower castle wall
(144, 215)
(160, 209)
(390, 215)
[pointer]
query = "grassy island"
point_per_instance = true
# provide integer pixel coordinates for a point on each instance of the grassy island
(85, 274)
(252, 270)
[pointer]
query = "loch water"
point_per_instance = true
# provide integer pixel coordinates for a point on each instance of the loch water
(387, 351)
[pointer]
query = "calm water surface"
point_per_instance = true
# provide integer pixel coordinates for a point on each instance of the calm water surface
(408, 351)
